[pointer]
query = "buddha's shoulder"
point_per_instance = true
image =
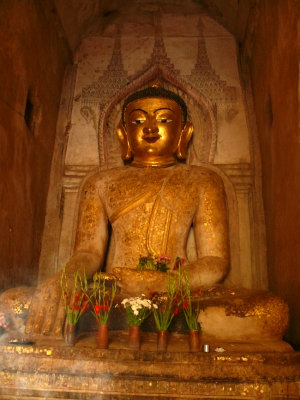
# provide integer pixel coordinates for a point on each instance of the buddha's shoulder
(203, 174)
(100, 176)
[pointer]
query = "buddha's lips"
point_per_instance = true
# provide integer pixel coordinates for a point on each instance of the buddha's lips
(151, 138)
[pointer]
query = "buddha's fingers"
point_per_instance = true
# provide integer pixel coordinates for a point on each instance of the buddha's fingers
(60, 319)
(36, 313)
(31, 317)
(51, 313)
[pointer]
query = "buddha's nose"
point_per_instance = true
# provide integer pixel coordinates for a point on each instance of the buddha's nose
(151, 128)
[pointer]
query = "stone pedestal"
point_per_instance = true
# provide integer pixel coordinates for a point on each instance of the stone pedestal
(56, 371)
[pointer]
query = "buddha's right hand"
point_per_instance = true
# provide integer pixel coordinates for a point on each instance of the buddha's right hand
(46, 313)
(47, 310)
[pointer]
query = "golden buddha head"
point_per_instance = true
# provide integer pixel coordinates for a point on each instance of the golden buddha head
(154, 128)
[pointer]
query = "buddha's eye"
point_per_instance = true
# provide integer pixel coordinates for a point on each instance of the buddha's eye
(138, 121)
(164, 120)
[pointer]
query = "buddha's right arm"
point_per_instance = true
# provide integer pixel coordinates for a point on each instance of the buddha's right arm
(46, 314)
(91, 234)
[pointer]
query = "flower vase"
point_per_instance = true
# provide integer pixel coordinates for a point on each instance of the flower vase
(134, 337)
(194, 341)
(102, 336)
(69, 334)
(162, 340)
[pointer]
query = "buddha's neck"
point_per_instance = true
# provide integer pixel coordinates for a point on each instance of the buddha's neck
(160, 163)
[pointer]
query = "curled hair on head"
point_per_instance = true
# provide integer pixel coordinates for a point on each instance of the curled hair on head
(154, 91)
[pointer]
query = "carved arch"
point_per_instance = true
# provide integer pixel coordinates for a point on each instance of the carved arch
(172, 82)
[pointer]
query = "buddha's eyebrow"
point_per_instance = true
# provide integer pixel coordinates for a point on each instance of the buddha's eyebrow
(164, 108)
(138, 109)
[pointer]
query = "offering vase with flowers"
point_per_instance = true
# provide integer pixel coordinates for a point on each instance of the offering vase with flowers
(102, 336)
(165, 309)
(75, 304)
(162, 340)
(194, 340)
(191, 313)
(102, 299)
(70, 334)
(137, 309)
(134, 337)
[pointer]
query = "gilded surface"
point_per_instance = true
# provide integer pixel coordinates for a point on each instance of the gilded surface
(151, 211)
(89, 372)
(17, 301)
(152, 204)
(270, 312)
(89, 214)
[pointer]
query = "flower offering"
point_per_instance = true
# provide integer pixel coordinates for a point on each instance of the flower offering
(102, 298)
(167, 306)
(154, 263)
(137, 309)
(75, 299)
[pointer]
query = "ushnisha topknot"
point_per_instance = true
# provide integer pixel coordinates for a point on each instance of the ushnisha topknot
(156, 91)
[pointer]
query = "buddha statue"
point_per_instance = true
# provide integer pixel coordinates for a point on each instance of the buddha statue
(151, 203)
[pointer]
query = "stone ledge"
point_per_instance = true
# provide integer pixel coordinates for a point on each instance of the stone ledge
(56, 371)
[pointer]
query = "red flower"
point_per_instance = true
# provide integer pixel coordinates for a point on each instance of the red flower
(77, 297)
(177, 298)
(176, 311)
(185, 304)
(97, 308)
(76, 307)
(178, 262)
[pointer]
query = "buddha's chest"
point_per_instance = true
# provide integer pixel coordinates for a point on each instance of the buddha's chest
(142, 195)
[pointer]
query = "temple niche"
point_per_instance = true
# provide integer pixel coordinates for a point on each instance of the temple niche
(197, 58)
(67, 68)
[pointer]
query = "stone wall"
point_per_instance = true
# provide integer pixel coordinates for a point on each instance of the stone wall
(274, 73)
(33, 59)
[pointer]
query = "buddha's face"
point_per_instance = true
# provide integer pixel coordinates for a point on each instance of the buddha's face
(154, 127)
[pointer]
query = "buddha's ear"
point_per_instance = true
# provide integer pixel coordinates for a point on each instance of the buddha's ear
(126, 152)
(185, 137)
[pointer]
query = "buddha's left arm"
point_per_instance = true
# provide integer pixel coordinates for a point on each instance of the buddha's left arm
(211, 234)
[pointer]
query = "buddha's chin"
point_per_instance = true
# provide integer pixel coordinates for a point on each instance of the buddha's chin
(151, 150)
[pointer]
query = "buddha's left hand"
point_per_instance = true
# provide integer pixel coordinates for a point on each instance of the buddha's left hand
(136, 282)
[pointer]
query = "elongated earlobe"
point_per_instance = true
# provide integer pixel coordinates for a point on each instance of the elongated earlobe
(126, 152)
(185, 137)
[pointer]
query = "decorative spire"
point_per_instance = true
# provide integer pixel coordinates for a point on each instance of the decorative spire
(159, 56)
(113, 79)
(204, 78)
